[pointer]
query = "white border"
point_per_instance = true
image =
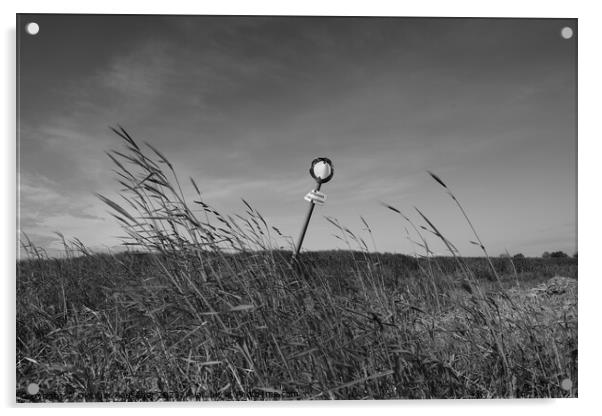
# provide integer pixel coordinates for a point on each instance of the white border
(590, 93)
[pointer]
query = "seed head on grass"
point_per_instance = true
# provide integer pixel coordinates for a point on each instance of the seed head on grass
(437, 178)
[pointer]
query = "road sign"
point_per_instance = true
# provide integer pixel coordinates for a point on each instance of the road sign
(321, 170)
(316, 197)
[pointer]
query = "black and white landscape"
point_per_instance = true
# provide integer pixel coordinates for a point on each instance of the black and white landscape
(162, 168)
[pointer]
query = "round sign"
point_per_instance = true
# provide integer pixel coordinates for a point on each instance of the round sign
(321, 169)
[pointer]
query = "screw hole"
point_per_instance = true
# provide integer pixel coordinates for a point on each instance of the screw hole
(566, 32)
(32, 28)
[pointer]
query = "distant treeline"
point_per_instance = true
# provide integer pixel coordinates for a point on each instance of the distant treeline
(393, 266)
(400, 264)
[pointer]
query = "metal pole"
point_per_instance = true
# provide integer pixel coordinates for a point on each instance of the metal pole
(305, 224)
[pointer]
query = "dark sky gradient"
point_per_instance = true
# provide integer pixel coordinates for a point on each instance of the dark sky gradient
(243, 104)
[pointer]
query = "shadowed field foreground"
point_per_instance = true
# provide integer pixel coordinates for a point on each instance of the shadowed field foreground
(209, 307)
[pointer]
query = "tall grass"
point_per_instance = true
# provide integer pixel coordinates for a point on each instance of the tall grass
(205, 306)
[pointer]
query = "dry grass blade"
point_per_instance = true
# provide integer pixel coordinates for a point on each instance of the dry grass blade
(196, 188)
(358, 381)
(438, 179)
(161, 156)
(392, 208)
(247, 204)
(116, 207)
(365, 223)
(242, 308)
(269, 390)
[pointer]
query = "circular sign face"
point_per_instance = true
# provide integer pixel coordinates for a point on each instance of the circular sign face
(321, 169)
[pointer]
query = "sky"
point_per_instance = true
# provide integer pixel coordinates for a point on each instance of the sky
(244, 104)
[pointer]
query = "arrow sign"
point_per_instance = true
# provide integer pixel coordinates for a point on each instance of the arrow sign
(316, 197)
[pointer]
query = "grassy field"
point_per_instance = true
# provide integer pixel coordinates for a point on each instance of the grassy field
(207, 308)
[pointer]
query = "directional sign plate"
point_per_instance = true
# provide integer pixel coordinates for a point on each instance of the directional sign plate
(316, 197)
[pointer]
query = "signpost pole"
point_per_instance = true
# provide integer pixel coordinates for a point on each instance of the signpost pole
(305, 224)
(321, 170)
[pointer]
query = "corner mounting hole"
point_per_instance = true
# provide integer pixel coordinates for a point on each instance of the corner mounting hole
(32, 28)
(566, 32)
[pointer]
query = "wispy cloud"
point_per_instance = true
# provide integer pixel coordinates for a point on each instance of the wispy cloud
(45, 209)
